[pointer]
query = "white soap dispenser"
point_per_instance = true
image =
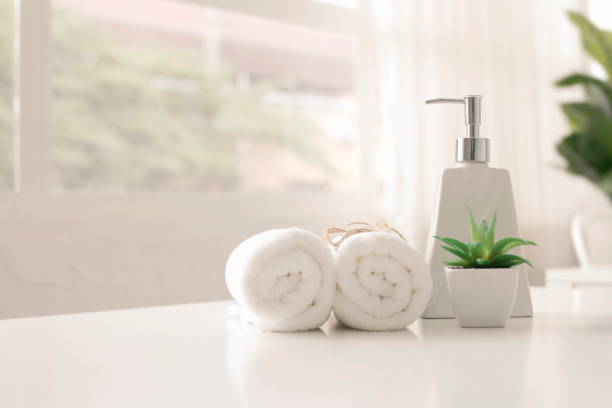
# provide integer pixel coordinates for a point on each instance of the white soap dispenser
(484, 190)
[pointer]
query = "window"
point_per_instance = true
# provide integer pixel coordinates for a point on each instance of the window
(174, 95)
(153, 135)
(212, 104)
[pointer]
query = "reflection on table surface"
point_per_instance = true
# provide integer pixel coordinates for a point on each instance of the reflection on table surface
(433, 363)
(194, 356)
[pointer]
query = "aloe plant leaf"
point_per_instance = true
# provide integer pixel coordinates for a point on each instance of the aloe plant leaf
(476, 250)
(498, 247)
(509, 258)
(457, 252)
(483, 252)
(462, 264)
(594, 41)
(483, 230)
(483, 262)
(508, 264)
(473, 227)
(472, 250)
(454, 243)
(513, 243)
(518, 262)
(504, 245)
(490, 239)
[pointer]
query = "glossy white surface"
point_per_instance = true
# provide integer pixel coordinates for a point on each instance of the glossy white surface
(572, 276)
(191, 356)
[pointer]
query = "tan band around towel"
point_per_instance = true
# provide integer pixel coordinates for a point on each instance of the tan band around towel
(336, 236)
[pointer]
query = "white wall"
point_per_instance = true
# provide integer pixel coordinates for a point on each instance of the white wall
(88, 262)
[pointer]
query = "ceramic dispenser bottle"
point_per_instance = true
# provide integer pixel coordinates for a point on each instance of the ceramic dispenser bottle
(472, 184)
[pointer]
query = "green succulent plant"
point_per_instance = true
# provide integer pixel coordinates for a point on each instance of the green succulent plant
(587, 150)
(484, 251)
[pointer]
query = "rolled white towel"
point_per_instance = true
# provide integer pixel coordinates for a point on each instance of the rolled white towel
(382, 283)
(284, 279)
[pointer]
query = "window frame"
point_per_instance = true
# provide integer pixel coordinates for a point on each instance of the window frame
(34, 193)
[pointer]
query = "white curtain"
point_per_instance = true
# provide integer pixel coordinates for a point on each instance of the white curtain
(510, 52)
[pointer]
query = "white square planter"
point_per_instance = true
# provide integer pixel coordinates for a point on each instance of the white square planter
(482, 297)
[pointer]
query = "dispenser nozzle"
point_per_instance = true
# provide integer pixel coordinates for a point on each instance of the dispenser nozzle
(472, 111)
(470, 149)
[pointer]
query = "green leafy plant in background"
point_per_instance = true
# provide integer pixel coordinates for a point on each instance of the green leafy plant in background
(135, 113)
(588, 148)
(484, 251)
(142, 114)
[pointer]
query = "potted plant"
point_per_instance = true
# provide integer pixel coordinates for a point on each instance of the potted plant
(587, 150)
(482, 281)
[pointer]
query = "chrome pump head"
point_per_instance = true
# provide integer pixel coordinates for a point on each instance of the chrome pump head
(473, 147)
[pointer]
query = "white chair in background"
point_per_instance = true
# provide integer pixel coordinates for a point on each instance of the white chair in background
(592, 238)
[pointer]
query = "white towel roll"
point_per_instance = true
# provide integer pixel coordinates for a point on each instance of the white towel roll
(382, 283)
(284, 279)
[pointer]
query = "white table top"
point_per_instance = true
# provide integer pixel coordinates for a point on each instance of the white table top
(594, 276)
(191, 356)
